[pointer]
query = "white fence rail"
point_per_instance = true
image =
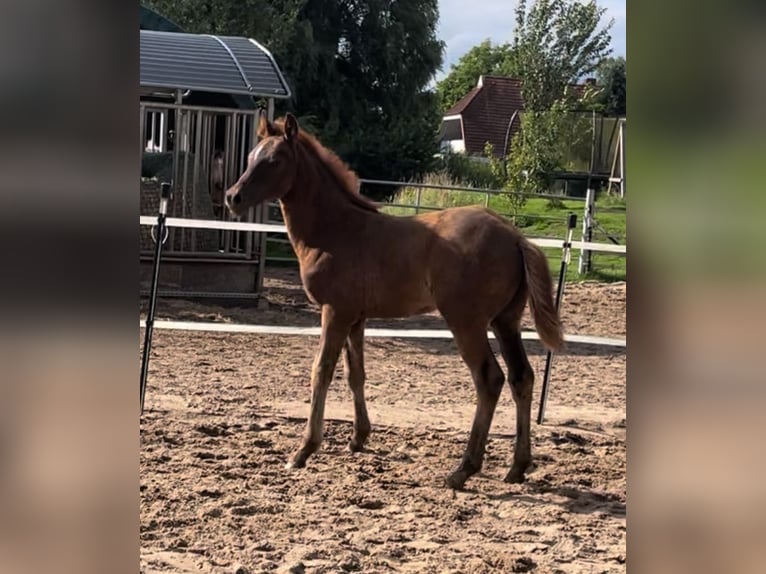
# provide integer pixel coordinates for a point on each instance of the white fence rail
(271, 228)
(371, 332)
(315, 331)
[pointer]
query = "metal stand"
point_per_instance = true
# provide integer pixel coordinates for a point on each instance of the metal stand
(159, 238)
(567, 251)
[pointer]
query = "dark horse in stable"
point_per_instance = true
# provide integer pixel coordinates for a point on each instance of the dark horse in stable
(357, 263)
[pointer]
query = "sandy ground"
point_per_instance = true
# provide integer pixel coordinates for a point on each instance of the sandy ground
(223, 412)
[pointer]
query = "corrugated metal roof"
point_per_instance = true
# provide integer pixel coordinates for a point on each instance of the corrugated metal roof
(226, 64)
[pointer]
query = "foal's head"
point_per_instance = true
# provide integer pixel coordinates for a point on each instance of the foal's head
(270, 171)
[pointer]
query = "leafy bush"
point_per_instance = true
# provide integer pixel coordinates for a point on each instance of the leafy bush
(471, 172)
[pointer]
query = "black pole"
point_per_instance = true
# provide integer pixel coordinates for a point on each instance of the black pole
(159, 239)
(571, 223)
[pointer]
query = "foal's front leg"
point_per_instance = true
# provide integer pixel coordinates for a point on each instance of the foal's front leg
(334, 333)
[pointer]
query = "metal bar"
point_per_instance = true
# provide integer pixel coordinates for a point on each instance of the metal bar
(253, 214)
(243, 153)
(236, 238)
(507, 141)
(171, 106)
(229, 170)
(163, 115)
(200, 295)
(176, 156)
(584, 264)
(471, 189)
(592, 165)
(427, 208)
(165, 196)
(234, 59)
(199, 257)
(559, 292)
(184, 139)
(198, 165)
(207, 157)
(269, 55)
(263, 217)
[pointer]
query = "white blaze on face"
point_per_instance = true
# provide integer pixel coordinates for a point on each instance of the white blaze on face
(259, 150)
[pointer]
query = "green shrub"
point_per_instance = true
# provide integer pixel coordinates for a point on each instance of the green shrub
(471, 172)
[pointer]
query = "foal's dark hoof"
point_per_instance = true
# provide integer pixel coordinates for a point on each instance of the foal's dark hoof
(457, 479)
(297, 461)
(354, 446)
(515, 477)
(358, 439)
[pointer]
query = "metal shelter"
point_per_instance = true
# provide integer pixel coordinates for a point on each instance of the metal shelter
(203, 62)
(199, 111)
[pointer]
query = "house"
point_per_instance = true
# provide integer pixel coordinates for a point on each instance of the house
(482, 116)
(488, 113)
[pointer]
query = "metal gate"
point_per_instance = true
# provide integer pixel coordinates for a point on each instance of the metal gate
(202, 150)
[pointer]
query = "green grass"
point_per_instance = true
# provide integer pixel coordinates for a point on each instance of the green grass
(539, 218)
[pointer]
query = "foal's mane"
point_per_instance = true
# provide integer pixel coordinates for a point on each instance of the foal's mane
(346, 179)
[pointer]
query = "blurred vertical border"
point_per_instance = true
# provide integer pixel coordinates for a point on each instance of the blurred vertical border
(68, 242)
(696, 158)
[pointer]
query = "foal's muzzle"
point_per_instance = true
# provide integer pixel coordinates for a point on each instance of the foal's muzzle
(233, 200)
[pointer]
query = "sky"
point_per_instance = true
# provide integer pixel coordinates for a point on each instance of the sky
(463, 24)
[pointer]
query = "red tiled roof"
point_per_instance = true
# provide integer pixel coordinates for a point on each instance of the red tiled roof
(462, 104)
(487, 109)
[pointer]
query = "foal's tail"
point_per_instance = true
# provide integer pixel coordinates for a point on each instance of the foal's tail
(540, 287)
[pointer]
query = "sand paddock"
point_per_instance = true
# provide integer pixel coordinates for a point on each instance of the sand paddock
(224, 411)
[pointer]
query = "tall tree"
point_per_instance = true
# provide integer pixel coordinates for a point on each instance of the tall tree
(483, 59)
(556, 43)
(611, 80)
(370, 90)
(359, 71)
(262, 19)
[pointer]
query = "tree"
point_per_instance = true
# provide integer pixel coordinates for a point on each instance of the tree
(611, 78)
(358, 69)
(553, 140)
(483, 59)
(371, 93)
(267, 19)
(556, 43)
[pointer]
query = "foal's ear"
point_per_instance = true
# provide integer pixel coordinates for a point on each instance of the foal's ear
(291, 126)
(265, 127)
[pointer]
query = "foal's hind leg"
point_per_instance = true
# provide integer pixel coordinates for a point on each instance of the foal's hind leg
(488, 378)
(334, 333)
(522, 380)
(353, 362)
